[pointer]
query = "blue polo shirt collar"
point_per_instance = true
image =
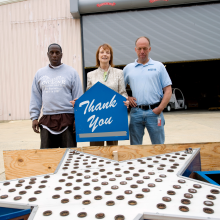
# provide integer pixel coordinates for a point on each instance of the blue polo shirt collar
(150, 62)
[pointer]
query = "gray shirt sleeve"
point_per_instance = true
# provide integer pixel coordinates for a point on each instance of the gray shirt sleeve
(36, 100)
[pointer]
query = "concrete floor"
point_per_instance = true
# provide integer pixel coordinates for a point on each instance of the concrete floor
(191, 126)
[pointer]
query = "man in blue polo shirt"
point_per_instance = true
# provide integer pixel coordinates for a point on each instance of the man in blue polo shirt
(151, 90)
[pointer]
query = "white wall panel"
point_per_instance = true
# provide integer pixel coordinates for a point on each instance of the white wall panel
(27, 28)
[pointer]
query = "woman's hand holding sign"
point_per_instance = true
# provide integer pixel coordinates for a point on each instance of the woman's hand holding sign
(126, 103)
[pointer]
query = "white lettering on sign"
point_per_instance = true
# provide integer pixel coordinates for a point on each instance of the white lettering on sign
(90, 107)
(95, 123)
(99, 106)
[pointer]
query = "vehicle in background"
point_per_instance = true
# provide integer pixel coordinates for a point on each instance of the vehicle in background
(177, 100)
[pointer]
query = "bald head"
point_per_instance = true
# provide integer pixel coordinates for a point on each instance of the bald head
(143, 38)
(142, 49)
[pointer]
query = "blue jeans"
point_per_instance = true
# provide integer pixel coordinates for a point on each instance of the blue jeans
(139, 119)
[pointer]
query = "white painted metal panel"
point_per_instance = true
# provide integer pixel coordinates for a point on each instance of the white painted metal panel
(27, 28)
(136, 187)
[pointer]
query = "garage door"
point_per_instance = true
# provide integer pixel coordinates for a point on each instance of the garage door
(176, 33)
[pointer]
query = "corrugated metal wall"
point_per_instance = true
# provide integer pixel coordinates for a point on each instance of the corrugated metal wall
(27, 28)
(176, 33)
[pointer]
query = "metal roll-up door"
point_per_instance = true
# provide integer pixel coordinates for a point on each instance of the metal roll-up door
(176, 34)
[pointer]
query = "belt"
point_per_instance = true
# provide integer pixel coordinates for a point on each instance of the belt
(146, 107)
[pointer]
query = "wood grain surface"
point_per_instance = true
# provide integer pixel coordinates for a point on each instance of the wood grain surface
(26, 163)
(210, 152)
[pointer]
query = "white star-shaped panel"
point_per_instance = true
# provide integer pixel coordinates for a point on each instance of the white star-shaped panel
(91, 187)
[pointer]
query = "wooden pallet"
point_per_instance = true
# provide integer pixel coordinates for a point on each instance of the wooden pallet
(26, 163)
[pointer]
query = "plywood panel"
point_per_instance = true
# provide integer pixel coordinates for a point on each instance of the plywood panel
(210, 152)
(101, 151)
(26, 163)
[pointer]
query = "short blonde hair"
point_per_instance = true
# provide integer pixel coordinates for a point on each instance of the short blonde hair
(105, 47)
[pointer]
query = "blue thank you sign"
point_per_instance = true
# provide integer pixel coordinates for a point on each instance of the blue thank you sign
(100, 115)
